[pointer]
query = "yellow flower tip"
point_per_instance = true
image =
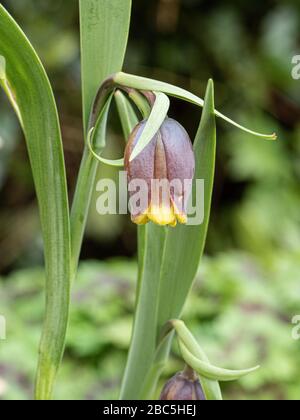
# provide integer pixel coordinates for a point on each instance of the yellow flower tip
(162, 215)
(174, 224)
(140, 219)
(182, 218)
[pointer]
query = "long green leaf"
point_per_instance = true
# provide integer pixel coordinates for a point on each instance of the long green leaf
(167, 270)
(180, 264)
(104, 26)
(29, 87)
(195, 357)
(212, 372)
(104, 33)
(144, 337)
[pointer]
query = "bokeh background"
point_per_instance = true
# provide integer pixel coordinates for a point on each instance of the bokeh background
(248, 286)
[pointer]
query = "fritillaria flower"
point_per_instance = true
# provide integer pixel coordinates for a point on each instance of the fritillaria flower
(164, 170)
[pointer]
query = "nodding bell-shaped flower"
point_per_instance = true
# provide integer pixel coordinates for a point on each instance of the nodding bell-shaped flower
(160, 177)
(183, 386)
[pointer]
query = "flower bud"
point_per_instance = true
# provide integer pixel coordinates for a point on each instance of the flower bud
(163, 172)
(183, 386)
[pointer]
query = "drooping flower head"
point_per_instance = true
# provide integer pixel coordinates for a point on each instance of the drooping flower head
(164, 170)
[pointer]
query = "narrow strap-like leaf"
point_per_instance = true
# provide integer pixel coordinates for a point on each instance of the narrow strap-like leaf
(31, 91)
(144, 83)
(179, 264)
(104, 28)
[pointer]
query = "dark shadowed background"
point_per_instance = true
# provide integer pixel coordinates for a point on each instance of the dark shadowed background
(248, 287)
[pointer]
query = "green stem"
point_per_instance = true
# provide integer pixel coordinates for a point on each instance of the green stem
(140, 101)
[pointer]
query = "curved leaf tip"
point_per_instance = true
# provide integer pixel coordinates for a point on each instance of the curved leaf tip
(212, 372)
(143, 83)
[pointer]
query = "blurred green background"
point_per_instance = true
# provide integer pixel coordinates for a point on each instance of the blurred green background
(248, 286)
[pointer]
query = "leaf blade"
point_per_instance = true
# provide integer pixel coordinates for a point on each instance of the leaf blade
(213, 372)
(104, 35)
(104, 29)
(33, 94)
(176, 279)
(144, 83)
